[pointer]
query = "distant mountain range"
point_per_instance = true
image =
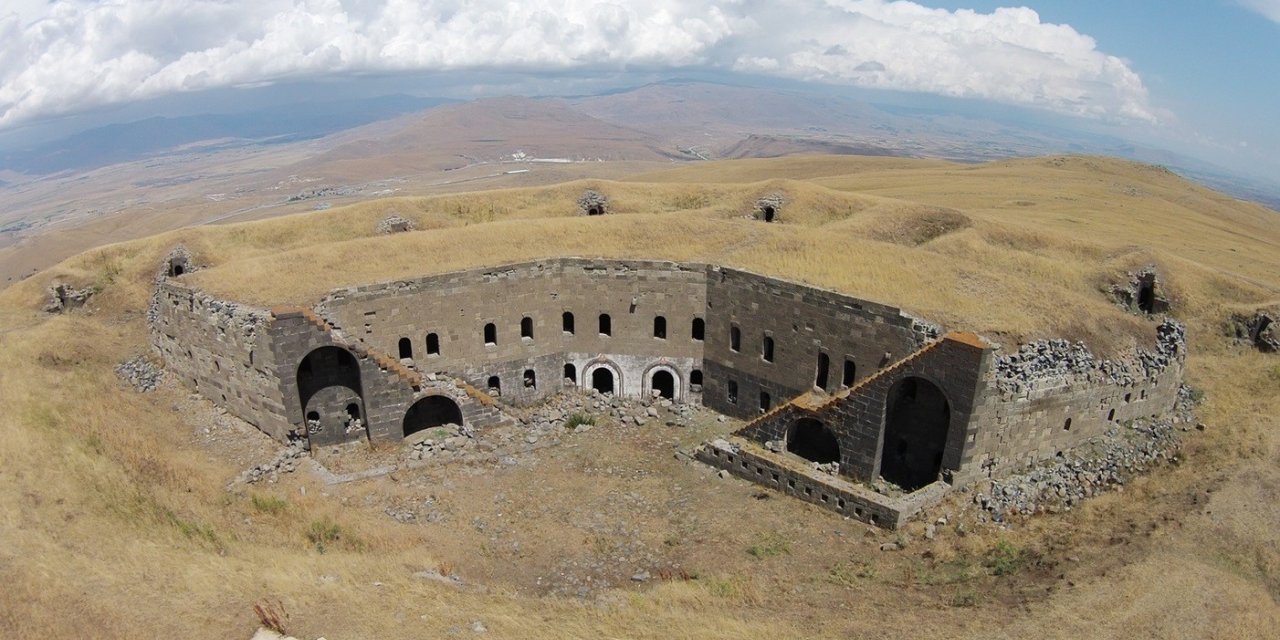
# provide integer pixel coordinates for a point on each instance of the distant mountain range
(128, 180)
(116, 143)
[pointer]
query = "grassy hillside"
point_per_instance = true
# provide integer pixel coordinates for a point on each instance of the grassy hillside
(115, 519)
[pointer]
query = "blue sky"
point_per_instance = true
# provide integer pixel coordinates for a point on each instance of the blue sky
(1197, 77)
(1214, 64)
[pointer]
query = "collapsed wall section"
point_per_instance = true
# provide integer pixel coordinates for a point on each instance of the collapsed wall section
(1052, 396)
(223, 351)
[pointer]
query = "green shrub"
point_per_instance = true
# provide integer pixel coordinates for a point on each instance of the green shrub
(577, 419)
(269, 504)
(769, 545)
(1005, 558)
(323, 533)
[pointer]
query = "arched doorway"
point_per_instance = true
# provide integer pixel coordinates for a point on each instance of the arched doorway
(328, 381)
(812, 440)
(431, 411)
(602, 380)
(664, 383)
(915, 433)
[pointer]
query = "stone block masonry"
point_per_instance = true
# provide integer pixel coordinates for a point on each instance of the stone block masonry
(842, 385)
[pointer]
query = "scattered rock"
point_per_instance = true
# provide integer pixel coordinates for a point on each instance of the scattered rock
(140, 373)
(1106, 463)
(286, 461)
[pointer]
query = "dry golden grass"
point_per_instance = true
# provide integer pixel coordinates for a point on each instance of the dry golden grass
(114, 520)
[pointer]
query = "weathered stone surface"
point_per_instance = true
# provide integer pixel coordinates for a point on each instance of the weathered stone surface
(64, 297)
(393, 223)
(593, 203)
(769, 207)
(1259, 330)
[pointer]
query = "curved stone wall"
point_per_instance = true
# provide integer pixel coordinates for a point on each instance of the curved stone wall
(747, 345)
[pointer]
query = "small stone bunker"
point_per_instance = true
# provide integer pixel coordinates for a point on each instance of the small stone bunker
(838, 392)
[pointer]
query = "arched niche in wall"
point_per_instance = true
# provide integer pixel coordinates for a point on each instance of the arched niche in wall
(917, 419)
(603, 376)
(664, 379)
(812, 440)
(431, 411)
(328, 383)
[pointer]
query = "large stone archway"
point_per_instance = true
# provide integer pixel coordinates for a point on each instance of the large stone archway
(431, 411)
(812, 440)
(917, 419)
(328, 384)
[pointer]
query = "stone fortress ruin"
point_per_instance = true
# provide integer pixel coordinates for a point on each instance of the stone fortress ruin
(836, 392)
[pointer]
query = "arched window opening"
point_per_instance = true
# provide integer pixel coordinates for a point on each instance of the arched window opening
(570, 374)
(433, 344)
(663, 384)
(735, 338)
(431, 411)
(606, 325)
(1066, 426)
(566, 322)
(699, 331)
(660, 328)
(814, 441)
(824, 367)
(530, 379)
(526, 327)
(490, 334)
(495, 386)
(766, 402)
(731, 392)
(602, 380)
(406, 348)
(766, 348)
(695, 380)
(850, 373)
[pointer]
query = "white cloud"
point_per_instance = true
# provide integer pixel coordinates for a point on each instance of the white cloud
(83, 54)
(1268, 8)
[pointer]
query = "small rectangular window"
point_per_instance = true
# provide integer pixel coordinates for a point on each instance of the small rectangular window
(732, 392)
